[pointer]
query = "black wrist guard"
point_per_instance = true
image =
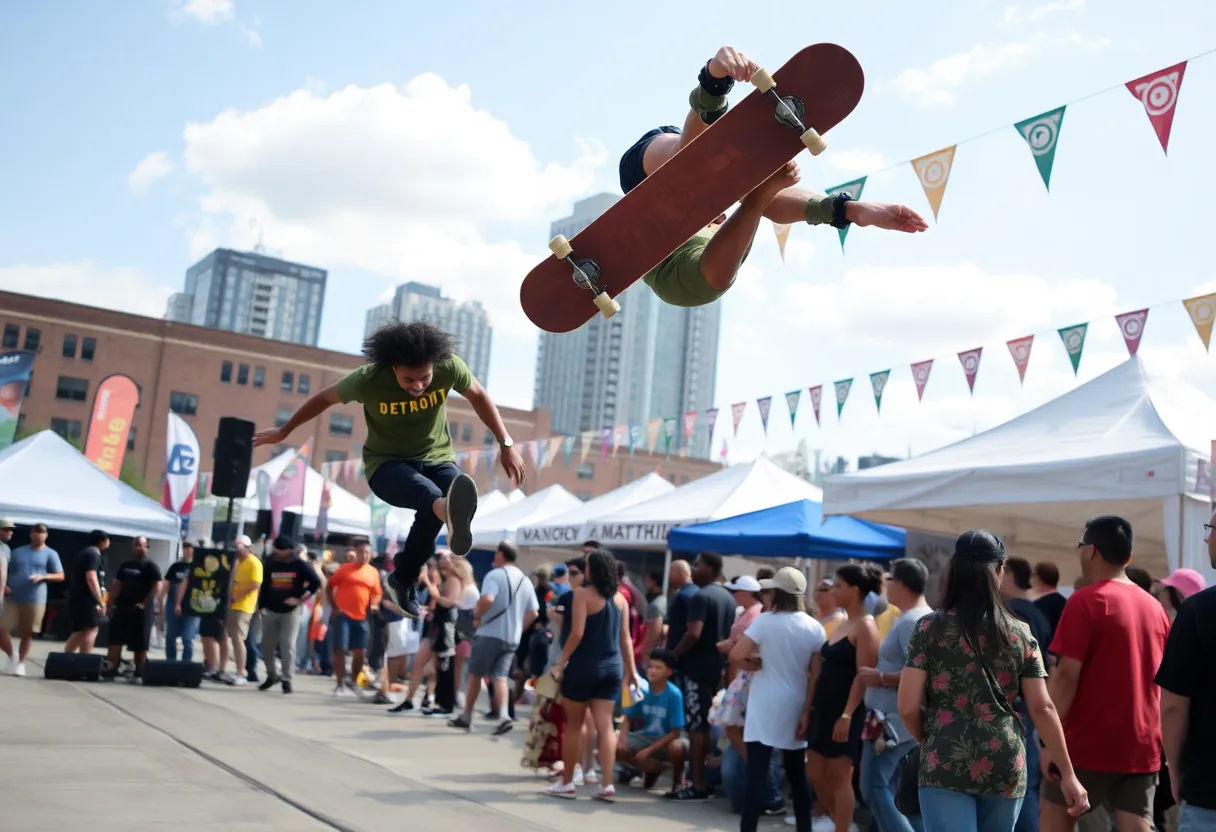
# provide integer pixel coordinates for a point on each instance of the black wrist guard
(838, 202)
(712, 85)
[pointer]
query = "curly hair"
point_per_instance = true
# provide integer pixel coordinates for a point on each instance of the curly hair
(601, 573)
(415, 344)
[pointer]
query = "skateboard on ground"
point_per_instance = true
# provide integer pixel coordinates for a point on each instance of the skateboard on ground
(787, 111)
(543, 746)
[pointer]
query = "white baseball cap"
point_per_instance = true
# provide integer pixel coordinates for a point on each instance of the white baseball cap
(244, 540)
(746, 583)
(788, 579)
(5, 523)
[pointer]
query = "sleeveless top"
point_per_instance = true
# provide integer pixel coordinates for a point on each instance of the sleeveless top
(598, 655)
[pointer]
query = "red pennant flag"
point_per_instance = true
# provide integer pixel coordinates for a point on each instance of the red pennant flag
(736, 411)
(1158, 92)
(816, 398)
(1131, 324)
(690, 424)
(970, 359)
(1019, 348)
(920, 374)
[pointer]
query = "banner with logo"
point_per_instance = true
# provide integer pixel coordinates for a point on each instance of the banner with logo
(181, 466)
(288, 490)
(109, 426)
(15, 368)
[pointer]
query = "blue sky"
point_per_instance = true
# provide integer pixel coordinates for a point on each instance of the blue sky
(391, 141)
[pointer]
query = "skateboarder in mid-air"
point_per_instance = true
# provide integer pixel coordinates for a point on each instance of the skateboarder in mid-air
(704, 268)
(408, 457)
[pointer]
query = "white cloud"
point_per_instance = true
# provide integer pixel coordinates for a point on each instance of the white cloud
(208, 11)
(855, 161)
(1019, 14)
(935, 85)
(123, 289)
(413, 182)
(151, 168)
(250, 33)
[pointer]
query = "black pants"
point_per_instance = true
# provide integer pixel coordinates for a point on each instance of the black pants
(759, 765)
(445, 683)
(414, 484)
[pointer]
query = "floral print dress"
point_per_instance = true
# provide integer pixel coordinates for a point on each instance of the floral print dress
(973, 740)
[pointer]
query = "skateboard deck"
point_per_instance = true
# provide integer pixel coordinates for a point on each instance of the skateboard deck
(821, 85)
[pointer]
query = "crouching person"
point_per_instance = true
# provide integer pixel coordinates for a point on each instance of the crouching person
(658, 719)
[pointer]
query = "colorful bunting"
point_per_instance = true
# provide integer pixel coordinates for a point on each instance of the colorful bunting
(842, 393)
(1074, 341)
(669, 432)
(620, 435)
(920, 374)
(1202, 310)
(711, 422)
(533, 453)
(879, 382)
(1158, 92)
(736, 412)
(637, 435)
(783, 234)
(970, 359)
(816, 398)
(854, 190)
(585, 440)
(567, 449)
(1019, 348)
(764, 405)
(652, 433)
(933, 170)
(1042, 132)
(605, 441)
(690, 425)
(1131, 324)
(791, 401)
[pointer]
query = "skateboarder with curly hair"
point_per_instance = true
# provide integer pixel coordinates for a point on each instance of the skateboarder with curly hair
(704, 268)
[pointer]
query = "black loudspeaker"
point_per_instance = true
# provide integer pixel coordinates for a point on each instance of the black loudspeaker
(163, 674)
(291, 526)
(74, 667)
(265, 522)
(233, 458)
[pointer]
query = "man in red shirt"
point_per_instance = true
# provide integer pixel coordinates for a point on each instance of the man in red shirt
(1109, 641)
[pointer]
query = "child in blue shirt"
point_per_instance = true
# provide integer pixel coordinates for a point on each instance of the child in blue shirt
(650, 731)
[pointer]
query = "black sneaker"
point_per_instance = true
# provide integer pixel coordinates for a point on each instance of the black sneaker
(461, 505)
(286, 686)
(461, 723)
(381, 698)
(503, 727)
(407, 601)
(776, 810)
(406, 705)
(267, 685)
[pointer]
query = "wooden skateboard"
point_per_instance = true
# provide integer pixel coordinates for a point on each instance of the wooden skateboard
(543, 746)
(787, 111)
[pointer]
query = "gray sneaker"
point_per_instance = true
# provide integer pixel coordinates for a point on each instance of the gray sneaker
(461, 505)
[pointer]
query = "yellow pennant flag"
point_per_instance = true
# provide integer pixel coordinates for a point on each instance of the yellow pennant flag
(783, 234)
(933, 171)
(585, 445)
(1203, 313)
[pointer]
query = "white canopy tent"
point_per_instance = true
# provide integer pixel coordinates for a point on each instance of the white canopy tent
(571, 528)
(516, 495)
(739, 489)
(492, 501)
(1128, 443)
(43, 479)
(494, 527)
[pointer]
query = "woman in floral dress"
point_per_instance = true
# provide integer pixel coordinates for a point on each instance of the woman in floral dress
(957, 694)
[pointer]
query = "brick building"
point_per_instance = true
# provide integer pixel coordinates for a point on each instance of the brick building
(205, 374)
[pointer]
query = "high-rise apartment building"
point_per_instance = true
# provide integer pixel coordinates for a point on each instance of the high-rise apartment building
(252, 294)
(648, 361)
(468, 321)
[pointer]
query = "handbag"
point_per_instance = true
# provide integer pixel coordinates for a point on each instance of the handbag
(907, 790)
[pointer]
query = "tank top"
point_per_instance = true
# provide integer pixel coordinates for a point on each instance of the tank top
(598, 655)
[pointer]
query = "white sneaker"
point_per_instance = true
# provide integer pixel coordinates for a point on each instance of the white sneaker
(10, 667)
(239, 681)
(823, 824)
(20, 669)
(578, 779)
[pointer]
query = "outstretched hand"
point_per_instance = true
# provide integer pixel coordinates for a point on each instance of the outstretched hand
(885, 215)
(270, 436)
(733, 63)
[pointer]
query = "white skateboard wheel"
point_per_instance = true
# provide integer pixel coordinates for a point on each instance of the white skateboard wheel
(814, 142)
(607, 306)
(762, 81)
(560, 247)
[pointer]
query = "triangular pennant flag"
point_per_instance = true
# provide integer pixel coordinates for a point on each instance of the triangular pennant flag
(854, 190)
(879, 382)
(637, 435)
(1074, 341)
(585, 439)
(1158, 92)
(473, 455)
(533, 453)
(970, 359)
(620, 435)
(690, 425)
(555, 447)
(669, 432)
(783, 234)
(1202, 310)
(1131, 324)
(605, 441)
(736, 412)
(920, 374)
(1042, 132)
(652, 433)
(933, 170)
(842, 393)
(791, 401)
(764, 405)
(816, 399)
(1019, 348)
(711, 422)
(567, 450)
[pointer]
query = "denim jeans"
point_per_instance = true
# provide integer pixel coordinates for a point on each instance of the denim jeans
(253, 647)
(417, 485)
(734, 780)
(1028, 817)
(1194, 819)
(184, 627)
(877, 781)
(945, 810)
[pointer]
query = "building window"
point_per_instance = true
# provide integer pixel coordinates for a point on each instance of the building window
(226, 372)
(69, 429)
(72, 389)
(336, 456)
(259, 377)
(184, 404)
(33, 338)
(586, 471)
(341, 424)
(87, 347)
(583, 495)
(131, 439)
(11, 333)
(455, 429)
(281, 416)
(489, 440)
(303, 385)
(288, 381)
(466, 434)
(242, 375)
(69, 346)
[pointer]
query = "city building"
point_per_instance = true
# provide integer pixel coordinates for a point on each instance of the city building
(648, 361)
(467, 321)
(252, 294)
(204, 374)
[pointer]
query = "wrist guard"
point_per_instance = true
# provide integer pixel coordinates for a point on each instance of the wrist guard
(838, 202)
(712, 85)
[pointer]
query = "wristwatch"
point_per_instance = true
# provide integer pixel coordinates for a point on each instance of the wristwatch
(507, 443)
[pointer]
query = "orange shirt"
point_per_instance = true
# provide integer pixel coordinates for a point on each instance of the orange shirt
(355, 589)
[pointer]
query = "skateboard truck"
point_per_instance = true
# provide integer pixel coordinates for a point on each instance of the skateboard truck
(586, 274)
(789, 112)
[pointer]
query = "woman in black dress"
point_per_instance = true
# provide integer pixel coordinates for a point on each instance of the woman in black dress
(837, 709)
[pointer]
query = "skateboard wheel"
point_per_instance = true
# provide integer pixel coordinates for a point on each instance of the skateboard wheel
(607, 306)
(560, 247)
(762, 81)
(814, 142)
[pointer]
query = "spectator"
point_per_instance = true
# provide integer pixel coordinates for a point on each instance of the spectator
(532, 655)
(1110, 641)
(289, 583)
(446, 594)
(779, 694)
(30, 569)
(353, 590)
(1179, 586)
(656, 613)
(680, 590)
(880, 767)
(246, 583)
(746, 592)
(85, 600)
(1050, 602)
(650, 729)
(1142, 578)
(423, 670)
(132, 608)
(956, 698)
(827, 613)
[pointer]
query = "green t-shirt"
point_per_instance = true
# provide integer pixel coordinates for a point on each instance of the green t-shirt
(402, 426)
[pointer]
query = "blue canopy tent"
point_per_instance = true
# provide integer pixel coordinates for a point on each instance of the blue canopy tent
(792, 530)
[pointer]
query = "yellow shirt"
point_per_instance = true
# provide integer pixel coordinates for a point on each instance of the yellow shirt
(885, 620)
(246, 575)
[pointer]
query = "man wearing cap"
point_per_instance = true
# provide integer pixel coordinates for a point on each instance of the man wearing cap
(246, 583)
(30, 568)
(289, 583)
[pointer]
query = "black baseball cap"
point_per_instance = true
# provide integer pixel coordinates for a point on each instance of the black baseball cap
(283, 544)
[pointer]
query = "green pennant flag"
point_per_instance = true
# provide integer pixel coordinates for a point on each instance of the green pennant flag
(1074, 341)
(669, 432)
(1042, 133)
(853, 189)
(879, 382)
(842, 393)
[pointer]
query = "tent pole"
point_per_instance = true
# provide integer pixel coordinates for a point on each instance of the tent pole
(666, 570)
(227, 526)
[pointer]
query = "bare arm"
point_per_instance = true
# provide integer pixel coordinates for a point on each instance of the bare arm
(1175, 717)
(181, 591)
(626, 639)
(690, 638)
(486, 410)
(867, 656)
(578, 626)
(94, 584)
(654, 631)
(1062, 686)
(308, 411)
(1047, 722)
(741, 657)
(912, 701)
